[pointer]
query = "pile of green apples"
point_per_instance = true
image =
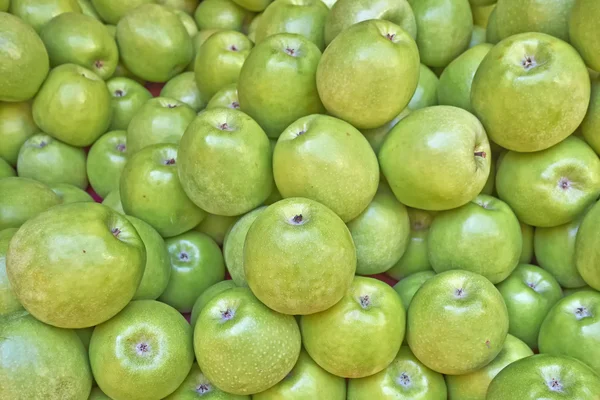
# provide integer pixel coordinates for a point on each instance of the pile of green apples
(299, 199)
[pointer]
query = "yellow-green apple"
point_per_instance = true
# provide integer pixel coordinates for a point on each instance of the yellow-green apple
(6, 169)
(113, 201)
(583, 28)
(187, 20)
(491, 32)
(426, 93)
(189, 6)
(184, 89)
(127, 96)
(478, 36)
(226, 97)
(207, 296)
(527, 232)
(38, 13)
(196, 385)
(481, 13)
(16, 125)
(111, 11)
(8, 300)
(377, 136)
(220, 14)
(587, 248)
(590, 127)
(22, 199)
(216, 226)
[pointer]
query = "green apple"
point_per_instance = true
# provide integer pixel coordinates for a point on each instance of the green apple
(39, 361)
(252, 27)
(82, 40)
(189, 6)
(590, 127)
(587, 248)
(361, 334)
(481, 13)
(22, 199)
(23, 72)
(5, 169)
(583, 28)
(437, 158)
(158, 269)
(491, 33)
(226, 97)
(196, 385)
(219, 61)
(415, 258)
(537, 72)
(234, 344)
(406, 378)
(474, 386)
(220, 14)
(105, 162)
(71, 194)
(377, 136)
(163, 54)
(183, 88)
(197, 41)
(571, 329)
(570, 291)
(380, 233)
(4, 4)
(408, 286)
(159, 120)
(301, 17)
(8, 300)
(98, 394)
(73, 105)
(111, 11)
(277, 83)
(555, 252)
(456, 80)
(122, 72)
(145, 352)
(88, 9)
(235, 175)
(317, 156)
(127, 97)
(426, 93)
(253, 5)
(345, 13)
(206, 296)
(16, 125)
(233, 246)
(444, 29)
(51, 161)
(483, 229)
(490, 184)
(457, 322)
(478, 36)
(186, 19)
(151, 191)
(527, 232)
(216, 226)
(306, 381)
(38, 13)
(113, 201)
(369, 73)
(544, 376)
(529, 293)
(285, 250)
(550, 187)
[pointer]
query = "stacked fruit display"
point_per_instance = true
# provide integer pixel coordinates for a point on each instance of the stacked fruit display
(301, 199)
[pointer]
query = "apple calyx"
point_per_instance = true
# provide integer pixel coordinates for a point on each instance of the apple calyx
(582, 312)
(119, 93)
(233, 47)
(460, 293)
(169, 105)
(564, 183)
(235, 105)
(554, 385)
(142, 348)
(170, 161)
(43, 144)
(121, 147)
(116, 232)
(183, 256)
(302, 132)
(224, 127)
(481, 154)
(404, 380)
(98, 64)
(227, 315)
(528, 63)
(290, 51)
(203, 388)
(532, 285)
(390, 36)
(365, 301)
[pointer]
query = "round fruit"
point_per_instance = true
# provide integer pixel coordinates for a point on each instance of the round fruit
(8, 300)
(16, 125)
(197, 385)
(105, 162)
(583, 28)
(22, 199)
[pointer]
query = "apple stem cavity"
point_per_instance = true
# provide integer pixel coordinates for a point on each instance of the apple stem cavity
(227, 315)
(233, 47)
(170, 161)
(582, 312)
(119, 93)
(224, 127)
(460, 293)
(481, 154)
(290, 51)
(302, 132)
(365, 301)
(43, 144)
(390, 36)
(98, 64)
(528, 63)
(116, 232)
(203, 388)
(404, 380)
(555, 386)
(297, 219)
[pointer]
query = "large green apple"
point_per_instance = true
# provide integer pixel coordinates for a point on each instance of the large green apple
(196, 264)
(144, 353)
(426, 93)
(325, 159)
(220, 14)
(196, 386)
(456, 80)
(457, 322)
(550, 187)
(5, 169)
(234, 175)
(151, 191)
(407, 287)
(73, 105)
(82, 40)
(184, 89)
(70, 194)
(285, 252)
(369, 73)
(39, 361)
(483, 229)
(583, 28)
(587, 248)
(38, 13)
(233, 246)
(206, 296)
(51, 161)
(226, 97)
(159, 56)
(219, 61)
(93, 276)
(544, 376)
(527, 232)
(159, 120)
(277, 82)
(444, 29)
(437, 158)
(406, 378)
(345, 13)
(474, 386)
(113, 201)
(539, 73)
(127, 96)
(111, 11)
(234, 346)
(377, 136)
(415, 258)
(590, 127)
(380, 233)
(361, 334)
(105, 162)
(216, 226)
(529, 293)
(22, 199)
(23, 72)
(8, 300)
(16, 125)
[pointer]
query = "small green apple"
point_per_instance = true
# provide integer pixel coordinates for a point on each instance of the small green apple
(277, 83)
(111, 11)
(16, 125)
(457, 322)
(478, 36)
(151, 191)
(22, 199)
(590, 127)
(587, 248)
(361, 334)
(216, 226)
(127, 96)
(88, 9)
(5, 169)
(163, 54)
(226, 97)
(105, 162)
(537, 72)
(369, 73)
(186, 19)
(71, 194)
(426, 93)
(481, 13)
(406, 378)
(233, 346)
(144, 352)
(408, 286)
(38, 13)
(51, 161)
(189, 6)
(158, 120)
(196, 385)
(183, 88)
(113, 201)
(377, 136)
(82, 40)
(220, 14)
(583, 28)
(8, 299)
(206, 296)
(550, 187)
